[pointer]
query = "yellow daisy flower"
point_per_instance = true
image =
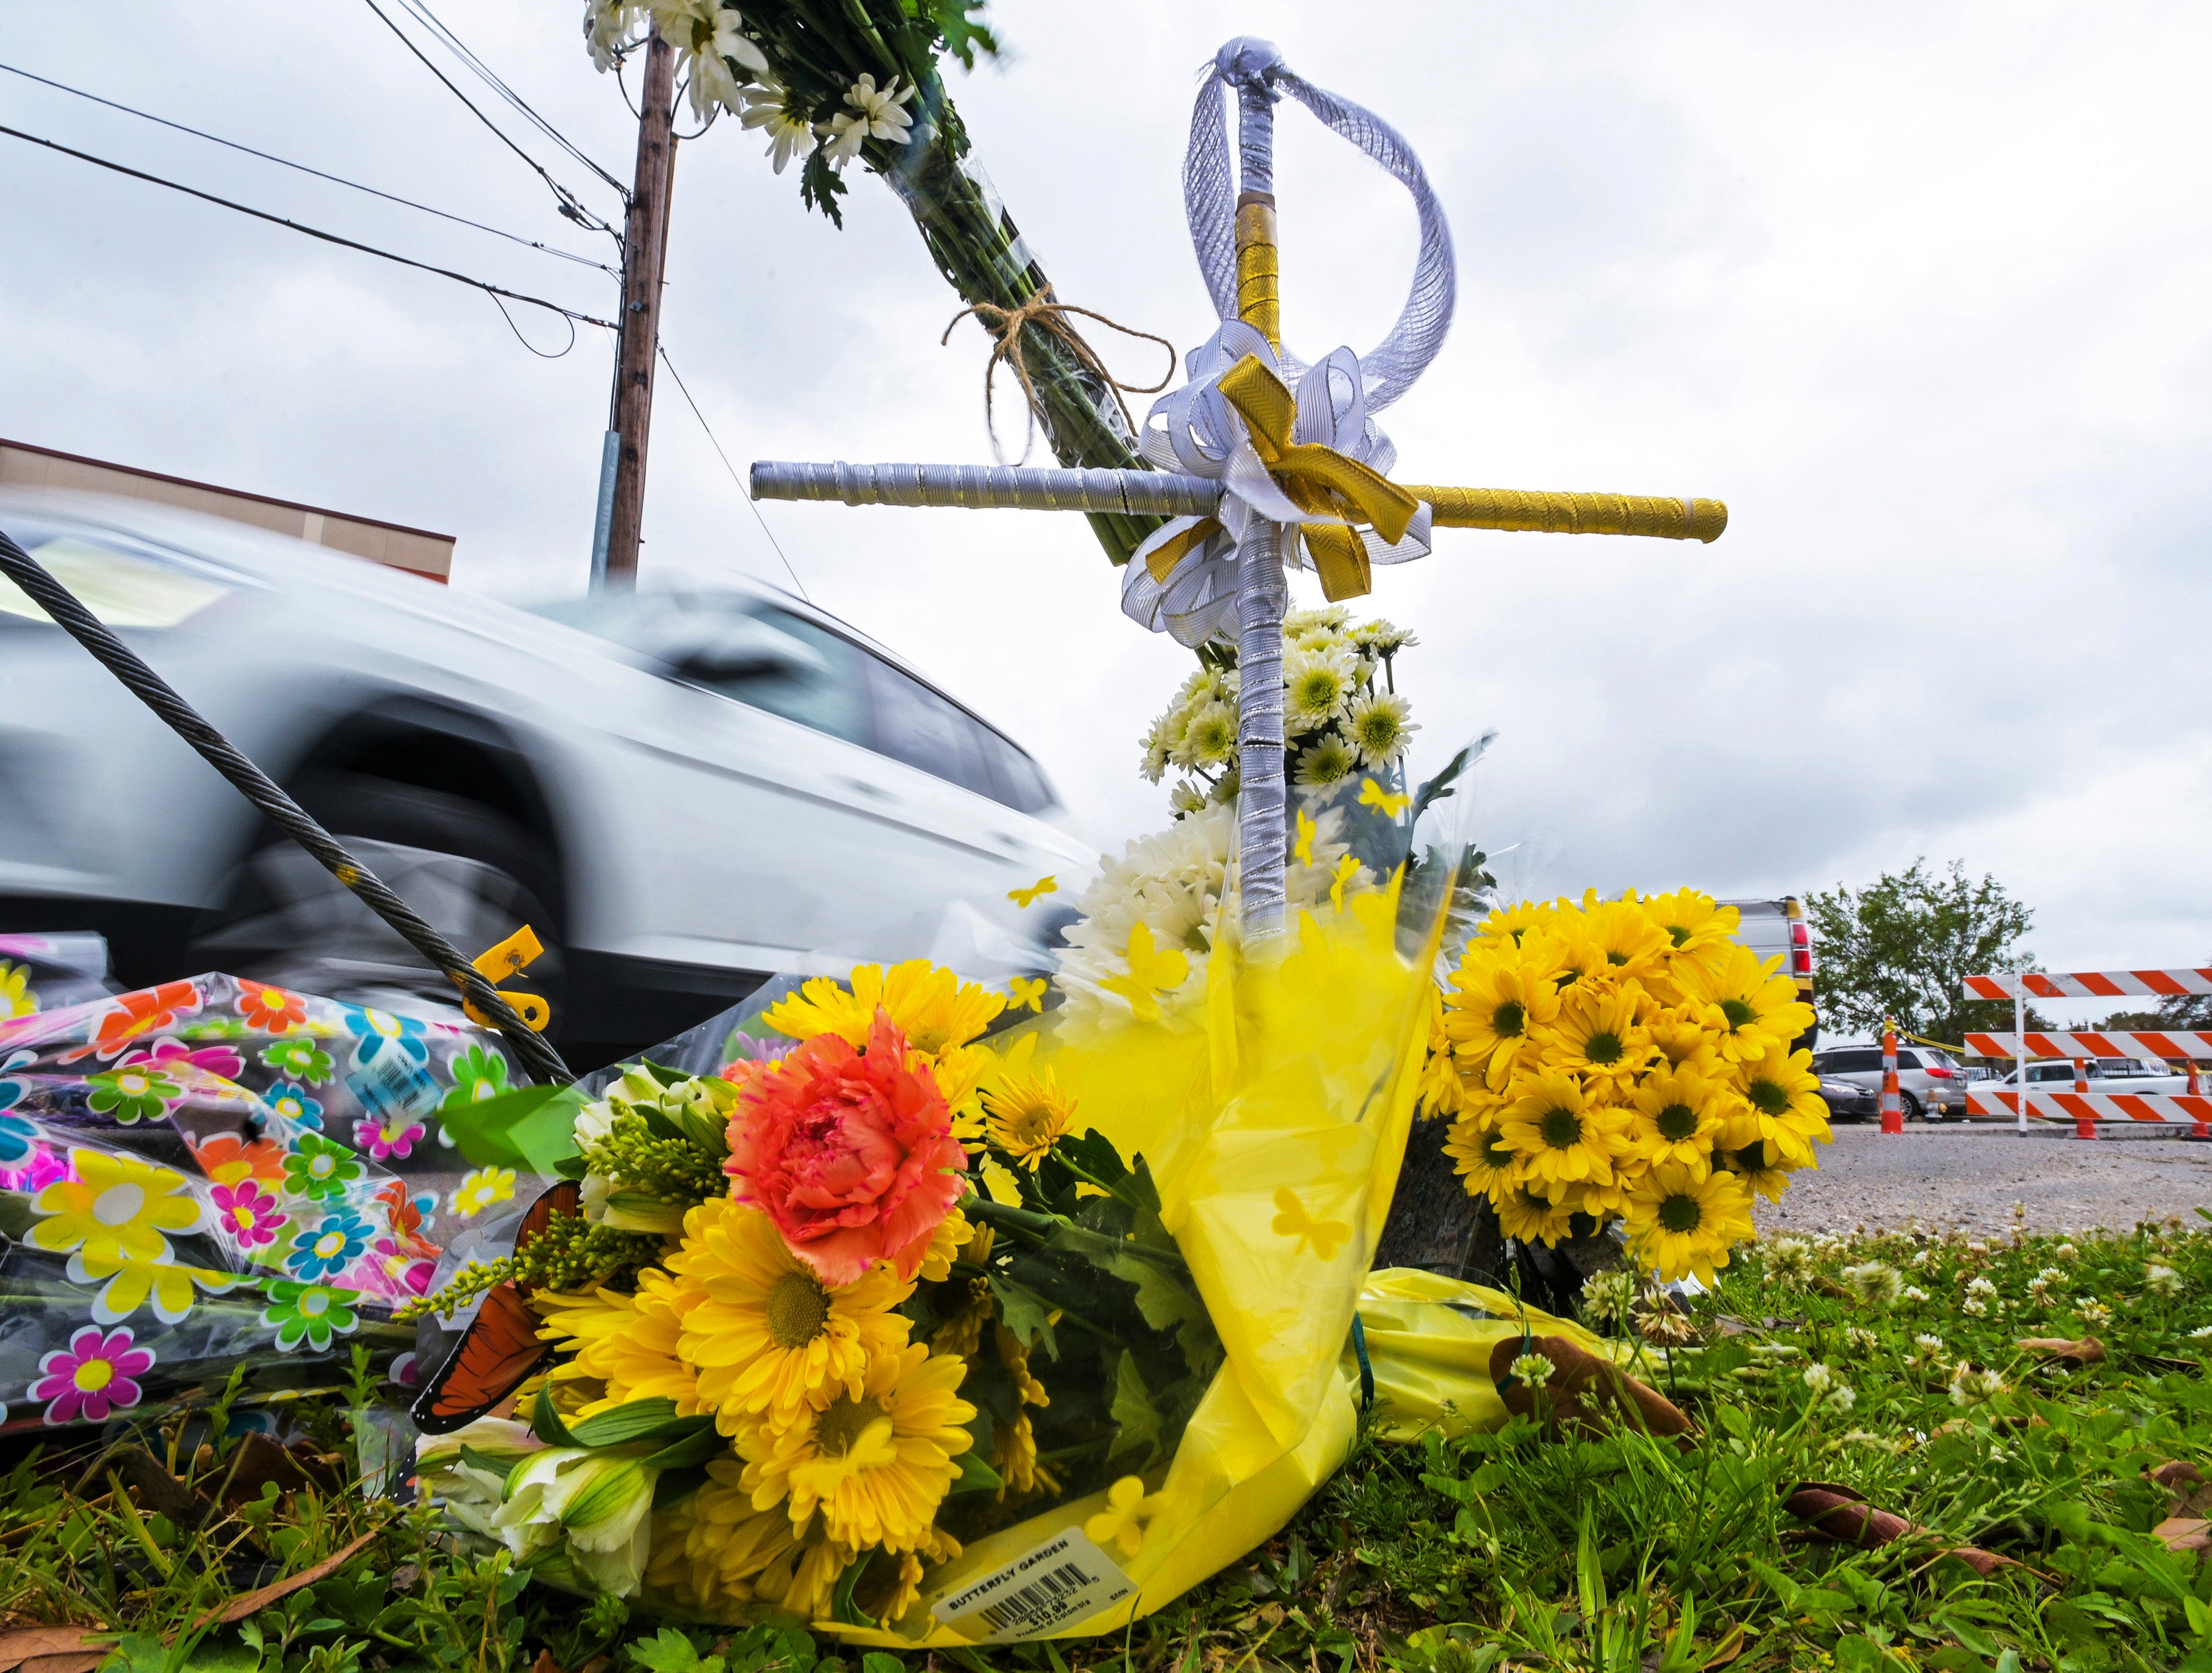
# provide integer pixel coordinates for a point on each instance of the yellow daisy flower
(1527, 1216)
(1781, 1106)
(1632, 945)
(766, 1335)
(1680, 1113)
(1750, 1010)
(711, 1550)
(1682, 1224)
(948, 1244)
(1691, 920)
(1678, 1031)
(631, 1343)
(1562, 1134)
(1508, 924)
(1601, 1037)
(875, 1462)
(804, 1579)
(1025, 1117)
(1761, 1168)
(1482, 1158)
(930, 1005)
(1495, 1003)
(116, 1209)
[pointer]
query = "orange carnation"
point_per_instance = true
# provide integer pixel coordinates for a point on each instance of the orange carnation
(850, 1153)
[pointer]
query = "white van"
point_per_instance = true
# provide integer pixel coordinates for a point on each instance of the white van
(1770, 927)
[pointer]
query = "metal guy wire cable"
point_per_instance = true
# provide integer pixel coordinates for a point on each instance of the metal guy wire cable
(312, 232)
(732, 470)
(70, 614)
(320, 174)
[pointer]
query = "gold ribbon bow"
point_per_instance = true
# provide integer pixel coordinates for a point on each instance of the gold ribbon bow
(1314, 478)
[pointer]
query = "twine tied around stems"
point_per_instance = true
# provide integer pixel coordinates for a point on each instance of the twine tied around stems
(1005, 325)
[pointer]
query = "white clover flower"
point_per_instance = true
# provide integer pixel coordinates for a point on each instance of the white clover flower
(1914, 1292)
(2164, 1280)
(1971, 1386)
(1928, 1350)
(1607, 1296)
(1818, 1378)
(1974, 1307)
(1923, 1257)
(1790, 1259)
(1861, 1339)
(2092, 1313)
(1977, 1249)
(2200, 1333)
(1983, 1288)
(2049, 1275)
(1840, 1399)
(2038, 1291)
(2066, 1251)
(1876, 1283)
(1534, 1369)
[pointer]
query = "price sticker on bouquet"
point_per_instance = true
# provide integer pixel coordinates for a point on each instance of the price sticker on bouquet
(393, 1090)
(1062, 1581)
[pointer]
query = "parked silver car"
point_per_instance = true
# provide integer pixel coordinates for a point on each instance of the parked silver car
(1929, 1083)
(680, 792)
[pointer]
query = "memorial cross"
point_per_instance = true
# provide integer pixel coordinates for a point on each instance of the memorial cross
(1253, 474)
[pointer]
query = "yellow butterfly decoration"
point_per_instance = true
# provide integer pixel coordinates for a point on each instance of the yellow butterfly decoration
(1151, 974)
(1346, 869)
(1043, 885)
(1028, 991)
(1293, 1221)
(1303, 847)
(1389, 803)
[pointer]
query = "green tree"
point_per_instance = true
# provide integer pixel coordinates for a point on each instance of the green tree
(1905, 944)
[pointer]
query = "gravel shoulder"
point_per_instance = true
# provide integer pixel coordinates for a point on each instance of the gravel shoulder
(1968, 1178)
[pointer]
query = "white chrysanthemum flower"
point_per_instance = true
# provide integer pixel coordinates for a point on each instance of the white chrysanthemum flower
(1818, 1378)
(1315, 687)
(1876, 1283)
(1971, 1386)
(1379, 636)
(1187, 798)
(2164, 1280)
(1534, 1369)
(788, 136)
(875, 114)
(607, 25)
(1328, 618)
(1380, 727)
(1210, 739)
(1155, 743)
(1324, 762)
(1172, 882)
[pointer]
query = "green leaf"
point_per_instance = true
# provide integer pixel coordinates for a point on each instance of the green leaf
(546, 1422)
(1025, 1313)
(669, 1651)
(879, 1661)
(532, 1128)
(841, 1606)
(975, 1476)
(651, 1418)
(701, 1448)
(1136, 1417)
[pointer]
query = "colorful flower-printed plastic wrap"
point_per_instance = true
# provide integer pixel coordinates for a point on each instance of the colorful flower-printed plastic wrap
(947, 1315)
(217, 1172)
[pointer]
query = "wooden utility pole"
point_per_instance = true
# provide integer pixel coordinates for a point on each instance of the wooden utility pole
(645, 255)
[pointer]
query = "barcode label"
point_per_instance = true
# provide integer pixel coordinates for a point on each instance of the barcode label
(393, 1089)
(1066, 1579)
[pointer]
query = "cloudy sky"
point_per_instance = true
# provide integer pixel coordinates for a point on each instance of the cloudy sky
(1918, 290)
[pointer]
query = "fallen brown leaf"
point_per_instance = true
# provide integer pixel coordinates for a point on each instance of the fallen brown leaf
(260, 1460)
(29, 1643)
(2088, 1351)
(2184, 1533)
(1585, 1391)
(72, 1661)
(157, 1490)
(253, 1602)
(1842, 1514)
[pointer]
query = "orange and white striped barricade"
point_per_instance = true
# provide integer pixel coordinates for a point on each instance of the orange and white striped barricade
(2083, 1107)
(2090, 984)
(1893, 1110)
(2164, 1109)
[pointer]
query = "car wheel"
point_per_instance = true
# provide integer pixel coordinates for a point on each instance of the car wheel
(476, 875)
(1914, 1111)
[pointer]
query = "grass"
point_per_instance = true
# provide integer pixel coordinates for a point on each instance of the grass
(1522, 1548)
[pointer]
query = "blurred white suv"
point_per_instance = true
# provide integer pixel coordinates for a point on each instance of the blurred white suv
(682, 792)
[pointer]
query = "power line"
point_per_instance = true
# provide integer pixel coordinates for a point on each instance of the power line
(286, 163)
(734, 477)
(422, 14)
(571, 205)
(494, 291)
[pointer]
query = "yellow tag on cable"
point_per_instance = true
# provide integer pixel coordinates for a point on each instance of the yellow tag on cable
(515, 952)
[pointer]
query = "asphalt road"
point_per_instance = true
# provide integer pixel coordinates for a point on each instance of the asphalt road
(1968, 1178)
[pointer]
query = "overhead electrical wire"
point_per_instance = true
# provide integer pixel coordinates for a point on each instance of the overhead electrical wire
(286, 163)
(429, 20)
(494, 291)
(734, 477)
(571, 205)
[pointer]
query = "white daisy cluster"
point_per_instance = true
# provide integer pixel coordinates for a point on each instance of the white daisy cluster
(1340, 715)
(721, 63)
(1172, 882)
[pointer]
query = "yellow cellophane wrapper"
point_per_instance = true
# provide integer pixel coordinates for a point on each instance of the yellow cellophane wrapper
(1428, 1343)
(1274, 1123)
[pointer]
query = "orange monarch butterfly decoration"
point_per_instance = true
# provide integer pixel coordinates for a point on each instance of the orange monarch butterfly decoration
(501, 1346)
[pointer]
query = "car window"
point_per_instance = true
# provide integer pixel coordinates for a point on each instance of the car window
(2049, 1072)
(1850, 1062)
(1020, 784)
(1907, 1059)
(914, 725)
(832, 698)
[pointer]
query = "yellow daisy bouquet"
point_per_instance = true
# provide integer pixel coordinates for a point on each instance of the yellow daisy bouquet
(1624, 1060)
(935, 1324)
